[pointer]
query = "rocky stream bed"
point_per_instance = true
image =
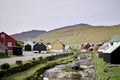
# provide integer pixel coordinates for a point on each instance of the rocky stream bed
(80, 69)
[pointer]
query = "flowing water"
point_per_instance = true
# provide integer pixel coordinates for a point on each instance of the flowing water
(87, 72)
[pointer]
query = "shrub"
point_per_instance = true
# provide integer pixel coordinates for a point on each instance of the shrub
(22, 67)
(13, 70)
(35, 62)
(2, 73)
(33, 59)
(40, 58)
(34, 78)
(20, 43)
(5, 66)
(43, 60)
(25, 66)
(28, 65)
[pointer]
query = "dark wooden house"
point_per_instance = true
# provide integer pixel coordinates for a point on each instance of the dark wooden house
(17, 50)
(112, 54)
(39, 46)
(28, 47)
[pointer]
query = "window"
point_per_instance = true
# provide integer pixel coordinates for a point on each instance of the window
(9, 44)
(2, 35)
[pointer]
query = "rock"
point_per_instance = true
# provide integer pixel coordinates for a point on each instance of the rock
(105, 70)
(91, 66)
(84, 66)
(45, 78)
(108, 78)
(75, 66)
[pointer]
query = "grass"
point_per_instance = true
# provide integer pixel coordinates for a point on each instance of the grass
(24, 74)
(14, 65)
(31, 71)
(67, 68)
(100, 66)
(7, 56)
(113, 72)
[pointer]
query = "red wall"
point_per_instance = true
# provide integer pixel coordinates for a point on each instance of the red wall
(7, 40)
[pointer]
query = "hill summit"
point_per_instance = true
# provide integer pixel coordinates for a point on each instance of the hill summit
(80, 33)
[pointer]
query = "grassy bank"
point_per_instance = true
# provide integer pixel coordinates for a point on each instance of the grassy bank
(105, 73)
(7, 56)
(31, 71)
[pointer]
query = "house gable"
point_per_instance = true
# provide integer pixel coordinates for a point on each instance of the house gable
(57, 45)
(7, 40)
(39, 46)
(28, 44)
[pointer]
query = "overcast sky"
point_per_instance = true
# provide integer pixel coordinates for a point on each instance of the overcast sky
(23, 15)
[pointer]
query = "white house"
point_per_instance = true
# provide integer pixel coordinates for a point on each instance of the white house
(28, 44)
(109, 45)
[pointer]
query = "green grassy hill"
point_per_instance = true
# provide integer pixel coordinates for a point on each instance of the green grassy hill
(77, 34)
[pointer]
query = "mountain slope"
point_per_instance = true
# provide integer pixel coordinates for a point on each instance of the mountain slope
(28, 34)
(81, 33)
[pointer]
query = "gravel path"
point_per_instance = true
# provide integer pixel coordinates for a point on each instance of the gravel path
(26, 56)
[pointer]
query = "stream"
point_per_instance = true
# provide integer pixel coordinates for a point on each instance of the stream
(80, 69)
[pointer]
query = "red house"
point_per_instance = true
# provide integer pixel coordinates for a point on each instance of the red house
(85, 46)
(98, 45)
(7, 40)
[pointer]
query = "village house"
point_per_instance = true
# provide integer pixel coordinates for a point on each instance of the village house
(98, 45)
(7, 40)
(108, 43)
(68, 47)
(39, 46)
(111, 49)
(49, 46)
(58, 45)
(28, 45)
(112, 54)
(17, 50)
(84, 47)
(101, 49)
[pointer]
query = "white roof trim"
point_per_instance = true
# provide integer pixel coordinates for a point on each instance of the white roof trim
(112, 48)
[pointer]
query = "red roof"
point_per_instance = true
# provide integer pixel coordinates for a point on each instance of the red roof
(85, 46)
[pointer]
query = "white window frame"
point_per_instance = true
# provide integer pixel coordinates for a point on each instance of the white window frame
(9, 44)
(2, 35)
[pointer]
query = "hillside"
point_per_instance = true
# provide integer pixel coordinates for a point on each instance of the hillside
(81, 33)
(27, 34)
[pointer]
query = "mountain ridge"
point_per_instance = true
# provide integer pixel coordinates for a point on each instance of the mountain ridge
(27, 34)
(80, 33)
